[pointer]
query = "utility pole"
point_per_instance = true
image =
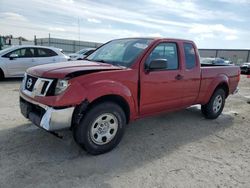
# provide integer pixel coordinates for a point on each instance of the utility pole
(79, 32)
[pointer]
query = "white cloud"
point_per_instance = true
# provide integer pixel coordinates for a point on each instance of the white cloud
(67, 1)
(203, 28)
(56, 29)
(219, 31)
(190, 9)
(93, 20)
(13, 16)
(168, 18)
(204, 36)
(106, 13)
(154, 35)
(236, 1)
(231, 37)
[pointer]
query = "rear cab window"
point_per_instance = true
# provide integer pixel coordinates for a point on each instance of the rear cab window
(190, 58)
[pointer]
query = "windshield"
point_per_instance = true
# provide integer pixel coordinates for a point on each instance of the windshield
(6, 50)
(121, 52)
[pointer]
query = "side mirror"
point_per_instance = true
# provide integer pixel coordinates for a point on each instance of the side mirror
(13, 56)
(158, 64)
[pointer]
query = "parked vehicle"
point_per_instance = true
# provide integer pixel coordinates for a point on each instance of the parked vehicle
(229, 62)
(215, 61)
(80, 55)
(124, 80)
(15, 60)
(245, 68)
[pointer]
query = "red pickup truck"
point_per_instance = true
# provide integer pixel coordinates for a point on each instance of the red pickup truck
(123, 80)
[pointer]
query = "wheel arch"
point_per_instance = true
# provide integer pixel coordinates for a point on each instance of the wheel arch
(224, 86)
(220, 81)
(82, 108)
(119, 100)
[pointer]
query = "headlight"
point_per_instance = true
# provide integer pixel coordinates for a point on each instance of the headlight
(61, 86)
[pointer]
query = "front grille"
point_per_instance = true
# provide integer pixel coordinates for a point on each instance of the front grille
(30, 83)
(44, 88)
(52, 88)
(34, 86)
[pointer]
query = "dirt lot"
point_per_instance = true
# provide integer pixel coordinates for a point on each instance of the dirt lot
(180, 149)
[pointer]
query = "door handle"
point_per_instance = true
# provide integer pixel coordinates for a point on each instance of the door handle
(179, 77)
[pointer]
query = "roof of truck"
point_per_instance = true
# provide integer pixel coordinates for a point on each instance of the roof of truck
(156, 38)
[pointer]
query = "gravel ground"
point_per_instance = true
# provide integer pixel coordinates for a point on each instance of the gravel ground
(180, 149)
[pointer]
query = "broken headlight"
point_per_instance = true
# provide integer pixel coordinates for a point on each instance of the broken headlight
(61, 86)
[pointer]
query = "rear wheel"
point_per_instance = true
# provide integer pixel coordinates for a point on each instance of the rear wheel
(101, 129)
(214, 107)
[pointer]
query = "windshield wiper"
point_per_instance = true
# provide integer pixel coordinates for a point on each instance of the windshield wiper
(100, 60)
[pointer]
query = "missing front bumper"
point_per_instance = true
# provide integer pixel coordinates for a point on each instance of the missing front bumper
(46, 117)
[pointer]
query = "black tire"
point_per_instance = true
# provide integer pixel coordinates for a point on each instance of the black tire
(209, 110)
(82, 132)
(1, 74)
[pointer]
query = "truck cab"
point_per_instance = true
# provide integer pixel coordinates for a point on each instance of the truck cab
(174, 85)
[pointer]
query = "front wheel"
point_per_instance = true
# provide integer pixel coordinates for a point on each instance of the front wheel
(101, 129)
(214, 107)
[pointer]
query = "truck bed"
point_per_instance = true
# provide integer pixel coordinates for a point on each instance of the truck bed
(214, 74)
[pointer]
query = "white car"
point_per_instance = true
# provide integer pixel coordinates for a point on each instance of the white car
(81, 54)
(15, 60)
(245, 68)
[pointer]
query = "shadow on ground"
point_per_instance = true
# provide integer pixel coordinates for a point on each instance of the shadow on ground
(31, 156)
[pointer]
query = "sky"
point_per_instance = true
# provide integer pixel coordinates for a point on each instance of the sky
(210, 23)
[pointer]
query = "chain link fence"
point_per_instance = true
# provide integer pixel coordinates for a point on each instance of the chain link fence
(68, 46)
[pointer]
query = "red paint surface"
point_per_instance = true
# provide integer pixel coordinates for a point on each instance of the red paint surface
(146, 93)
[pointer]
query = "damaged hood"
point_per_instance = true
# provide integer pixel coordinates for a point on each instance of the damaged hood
(69, 69)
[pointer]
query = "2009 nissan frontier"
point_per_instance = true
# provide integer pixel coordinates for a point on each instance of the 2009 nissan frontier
(123, 80)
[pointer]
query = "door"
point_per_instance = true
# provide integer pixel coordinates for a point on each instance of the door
(45, 56)
(161, 90)
(191, 75)
(19, 60)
